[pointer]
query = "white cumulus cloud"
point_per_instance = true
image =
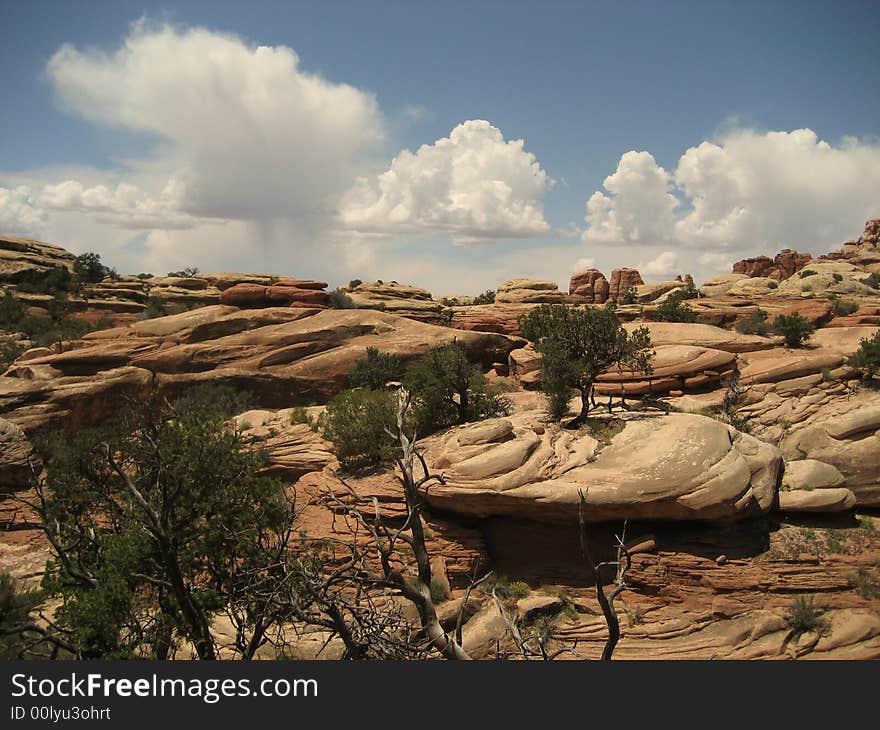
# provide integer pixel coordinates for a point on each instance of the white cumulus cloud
(666, 265)
(472, 184)
(749, 192)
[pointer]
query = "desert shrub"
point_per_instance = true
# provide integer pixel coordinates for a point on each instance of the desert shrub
(865, 583)
(635, 617)
(754, 324)
(837, 277)
(867, 358)
(58, 281)
(188, 272)
(577, 345)
(505, 588)
(165, 524)
(807, 272)
(804, 615)
(873, 280)
(675, 310)
(439, 590)
(773, 284)
(9, 351)
(144, 275)
(12, 311)
(16, 603)
(89, 268)
(356, 422)
(842, 308)
(448, 389)
(629, 296)
(354, 283)
(155, 307)
(826, 375)
(688, 291)
(794, 328)
(299, 415)
(487, 297)
(340, 300)
(375, 370)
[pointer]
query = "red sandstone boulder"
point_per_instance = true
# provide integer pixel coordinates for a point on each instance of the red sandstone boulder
(589, 286)
(621, 281)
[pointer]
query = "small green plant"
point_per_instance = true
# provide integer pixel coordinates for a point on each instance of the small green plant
(635, 617)
(807, 272)
(873, 280)
(804, 615)
(375, 370)
(155, 307)
(794, 328)
(842, 308)
(357, 422)
(826, 375)
(439, 590)
(354, 283)
(338, 299)
(867, 358)
(837, 277)
(754, 324)
(505, 588)
(630, 296)
(836, 541)
(675, 310)
(487, 297)
(867, 524)
(299, 415)
(865, 583)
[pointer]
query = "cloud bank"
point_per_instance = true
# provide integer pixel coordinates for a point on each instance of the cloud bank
(748, 192)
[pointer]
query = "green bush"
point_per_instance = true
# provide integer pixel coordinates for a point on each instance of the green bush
(629, 296)
(577, 345)
(439, 590)
(675, 310)
(448, 389)
(487, 297)
(16, 603)
(340, 300)
(837, 277)
(806, 272)
(354, 283)
(89, 268)
(155, 307)
(754, 324)
(872, 281)
(356, 422)
(842, 308)
(794, 328)
(187, 272)
(9, 351)
(803, 615)
(867, 358)
(375, 370)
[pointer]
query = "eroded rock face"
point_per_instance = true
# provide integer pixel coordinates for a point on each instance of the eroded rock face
(589, 287)
(784, 265)
(409, 301)
(15, 456)
(22, 258)
(848, 441)
(664, 467)
(282, 356)
(528, 291)
(622, 280)
(287, 292)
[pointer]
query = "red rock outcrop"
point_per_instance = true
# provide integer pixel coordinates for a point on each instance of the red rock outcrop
(589, 287)
(621, 282)
(786, 263)
(287, 292)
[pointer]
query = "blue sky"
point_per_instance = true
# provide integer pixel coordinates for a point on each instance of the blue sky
(581, 84)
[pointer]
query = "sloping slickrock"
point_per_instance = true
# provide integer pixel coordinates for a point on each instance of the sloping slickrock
(281, 356)
(500, 318)
(758, 286)
(528, 291)
(15, 452)
(670, 467)
(675, 367)
(701, 335)
(658, 291)
(823, 278)
(22, 258)
(397, 298)
(780, 364)
(842, 340)
(849, 441)
(719, 286)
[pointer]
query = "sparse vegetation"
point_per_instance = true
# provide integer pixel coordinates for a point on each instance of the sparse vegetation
(188, 272)
(439, 590)
(867, 358)
(873, 280)
(630, 296)
(89, 269)
(804, 615)
(794, 328)
(577, 344)
(675, 310)
(865, 583)
(635, 617)
(804, 273)
(357, 422)
(487, 297)
(354, 283)
(842, 308)
(340, 300)
(9, 351)
(376, 370)
(754, 324)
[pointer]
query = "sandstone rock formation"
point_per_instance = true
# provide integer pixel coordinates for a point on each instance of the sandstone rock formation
(784, 265)
(588, 287)
(622, 280)
(283, 356)
(528, 291)
(664, 467)
(286, 292)
(22, 258)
